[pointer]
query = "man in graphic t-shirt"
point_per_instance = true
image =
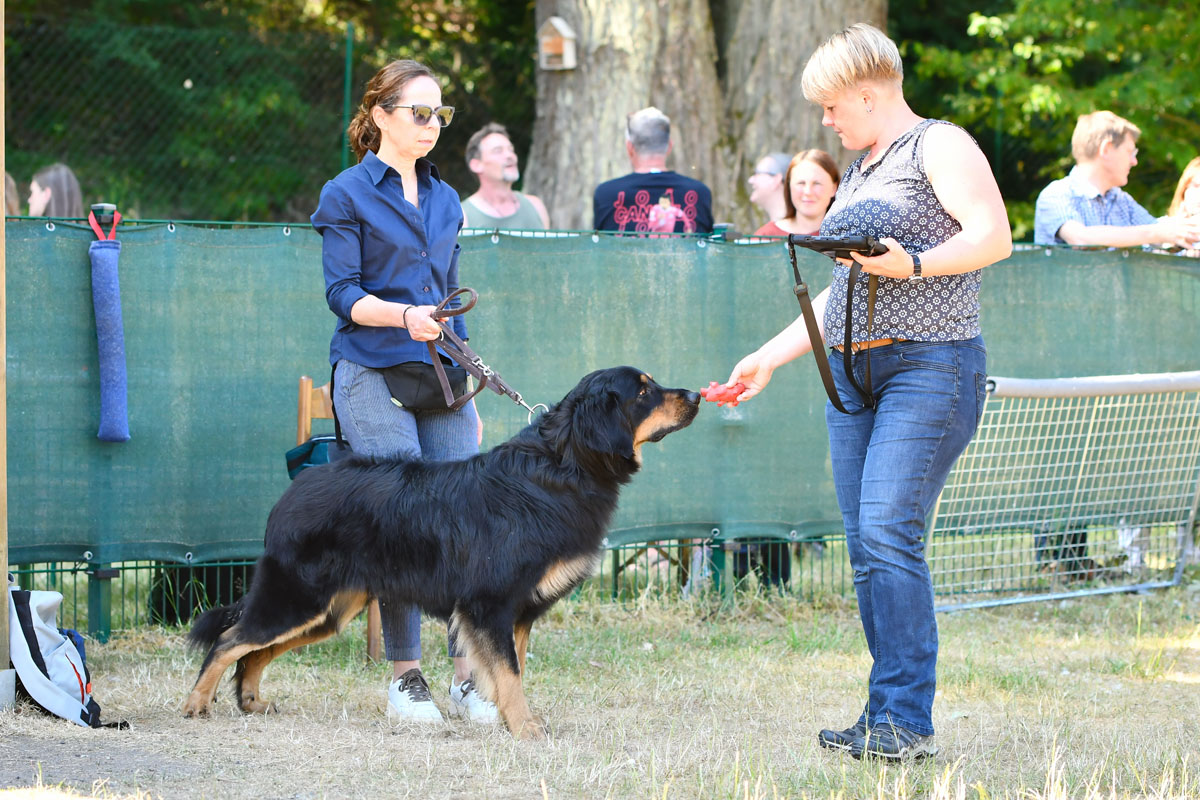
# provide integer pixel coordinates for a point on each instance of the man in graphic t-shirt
(651, 199)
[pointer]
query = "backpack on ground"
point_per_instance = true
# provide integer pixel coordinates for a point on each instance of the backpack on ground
(50, 661)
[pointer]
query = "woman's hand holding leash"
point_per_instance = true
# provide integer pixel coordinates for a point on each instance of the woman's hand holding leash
(420, 326)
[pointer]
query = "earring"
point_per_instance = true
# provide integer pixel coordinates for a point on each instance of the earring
(870, 109)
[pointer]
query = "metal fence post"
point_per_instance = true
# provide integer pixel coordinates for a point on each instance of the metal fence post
(100, 601)
(347, 84)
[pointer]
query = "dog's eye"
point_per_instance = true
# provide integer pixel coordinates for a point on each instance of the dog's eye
(645, 389)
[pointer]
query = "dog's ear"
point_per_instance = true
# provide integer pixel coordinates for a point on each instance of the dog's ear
(599, 423)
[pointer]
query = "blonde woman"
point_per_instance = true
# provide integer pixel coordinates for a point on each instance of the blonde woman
(1186, 202)
(924, 188)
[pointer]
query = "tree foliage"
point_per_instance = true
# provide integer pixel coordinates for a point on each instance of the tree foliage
(1023, 77)
(135, 81)
(234, 110)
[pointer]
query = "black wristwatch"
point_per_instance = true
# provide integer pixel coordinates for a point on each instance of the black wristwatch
(916, 268)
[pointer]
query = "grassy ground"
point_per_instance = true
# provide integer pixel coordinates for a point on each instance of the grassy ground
(1089, 698)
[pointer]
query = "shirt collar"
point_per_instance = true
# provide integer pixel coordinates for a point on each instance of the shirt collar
(377, 169)
(1085, 188)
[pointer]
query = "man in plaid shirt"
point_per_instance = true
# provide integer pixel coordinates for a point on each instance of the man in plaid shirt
(1088, 207)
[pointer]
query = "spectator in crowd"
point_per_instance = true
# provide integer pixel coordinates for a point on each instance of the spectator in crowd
(389, 228)
(1089, 207)
(767, 188)
(490, 155)
(12, 199)
(1186, 202)
(651, 198)
(892, 453)
(811, 179)
(54, 192)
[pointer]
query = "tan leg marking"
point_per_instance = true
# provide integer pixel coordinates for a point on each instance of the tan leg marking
(497, 682)
(256, 662)
(521, 642)
(344, 607)
(199, 701)
(562, 576)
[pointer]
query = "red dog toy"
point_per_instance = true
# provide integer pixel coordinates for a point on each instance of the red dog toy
(719, 394)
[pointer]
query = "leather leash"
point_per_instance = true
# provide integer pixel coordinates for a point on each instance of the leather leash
(818, 343)
(465, 357)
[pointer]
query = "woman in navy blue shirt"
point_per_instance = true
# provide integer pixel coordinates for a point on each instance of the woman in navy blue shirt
(389, 229)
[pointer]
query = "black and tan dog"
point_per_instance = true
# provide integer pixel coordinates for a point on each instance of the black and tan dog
(489, 543)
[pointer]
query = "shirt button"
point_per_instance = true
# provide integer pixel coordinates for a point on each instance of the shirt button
(422, 254)
(426, 289)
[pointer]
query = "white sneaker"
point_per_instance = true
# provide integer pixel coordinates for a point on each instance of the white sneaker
(467, 703)
(409, 699)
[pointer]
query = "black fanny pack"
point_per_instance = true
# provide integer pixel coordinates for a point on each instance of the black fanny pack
(414, 384)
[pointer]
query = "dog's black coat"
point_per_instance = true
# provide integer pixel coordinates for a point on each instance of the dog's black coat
(489, 543)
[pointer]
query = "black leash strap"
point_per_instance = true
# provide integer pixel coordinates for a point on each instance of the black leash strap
(818, 343)
(457, 349)
(864, 389)
(465, 357)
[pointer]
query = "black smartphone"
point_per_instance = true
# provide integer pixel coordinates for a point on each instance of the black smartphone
(839, 246)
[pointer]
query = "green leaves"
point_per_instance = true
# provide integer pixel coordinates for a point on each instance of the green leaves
(1024, 74)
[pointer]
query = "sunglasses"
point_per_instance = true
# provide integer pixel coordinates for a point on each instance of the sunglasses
(423, 113)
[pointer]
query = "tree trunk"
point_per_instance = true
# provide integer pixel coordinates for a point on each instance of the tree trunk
(636, 53)
(631, 54)
(769, 42)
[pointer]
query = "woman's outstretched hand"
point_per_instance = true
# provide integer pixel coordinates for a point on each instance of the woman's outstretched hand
(753, 372)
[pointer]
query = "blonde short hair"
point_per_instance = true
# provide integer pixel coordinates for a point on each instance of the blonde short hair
(1093, 130)
(861, 53)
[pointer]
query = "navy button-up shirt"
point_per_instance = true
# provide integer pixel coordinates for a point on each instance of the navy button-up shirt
(376, 242)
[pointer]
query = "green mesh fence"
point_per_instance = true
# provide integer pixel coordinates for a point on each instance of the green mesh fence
(220, 324)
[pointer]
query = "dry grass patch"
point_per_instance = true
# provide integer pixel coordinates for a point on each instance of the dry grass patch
(1091, 698)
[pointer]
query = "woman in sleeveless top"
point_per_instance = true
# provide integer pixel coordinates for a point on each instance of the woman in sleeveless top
(925, 190)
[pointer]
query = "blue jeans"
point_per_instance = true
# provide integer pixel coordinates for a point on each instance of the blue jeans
(889, 466)
(375, 426)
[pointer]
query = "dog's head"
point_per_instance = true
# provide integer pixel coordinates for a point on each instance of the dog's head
(603, 422)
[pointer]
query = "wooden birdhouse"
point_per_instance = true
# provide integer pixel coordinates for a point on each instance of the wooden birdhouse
(556, 44)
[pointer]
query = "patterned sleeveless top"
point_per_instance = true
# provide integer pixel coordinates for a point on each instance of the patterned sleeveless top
(893, 197)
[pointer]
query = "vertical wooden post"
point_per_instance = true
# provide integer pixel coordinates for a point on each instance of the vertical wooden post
(4, 655)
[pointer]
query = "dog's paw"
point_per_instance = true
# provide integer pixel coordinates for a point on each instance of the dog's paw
(533, 729)
(195, 707)
(252, 705)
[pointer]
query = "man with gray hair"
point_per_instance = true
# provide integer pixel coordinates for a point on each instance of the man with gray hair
(651, 198)
(1089, 207)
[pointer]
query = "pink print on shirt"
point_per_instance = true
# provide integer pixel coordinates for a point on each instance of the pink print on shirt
(644, 216)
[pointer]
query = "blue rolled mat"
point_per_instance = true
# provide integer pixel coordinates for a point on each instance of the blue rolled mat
(110, 335)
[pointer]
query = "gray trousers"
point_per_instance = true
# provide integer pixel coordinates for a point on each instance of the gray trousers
(373, 425)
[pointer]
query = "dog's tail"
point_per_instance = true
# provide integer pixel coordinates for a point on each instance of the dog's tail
(209, 626)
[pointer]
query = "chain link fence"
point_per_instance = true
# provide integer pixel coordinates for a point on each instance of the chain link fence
(223, 124)
(178, 123)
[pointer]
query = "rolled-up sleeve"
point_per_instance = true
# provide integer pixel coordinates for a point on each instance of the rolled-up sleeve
(341, 249)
